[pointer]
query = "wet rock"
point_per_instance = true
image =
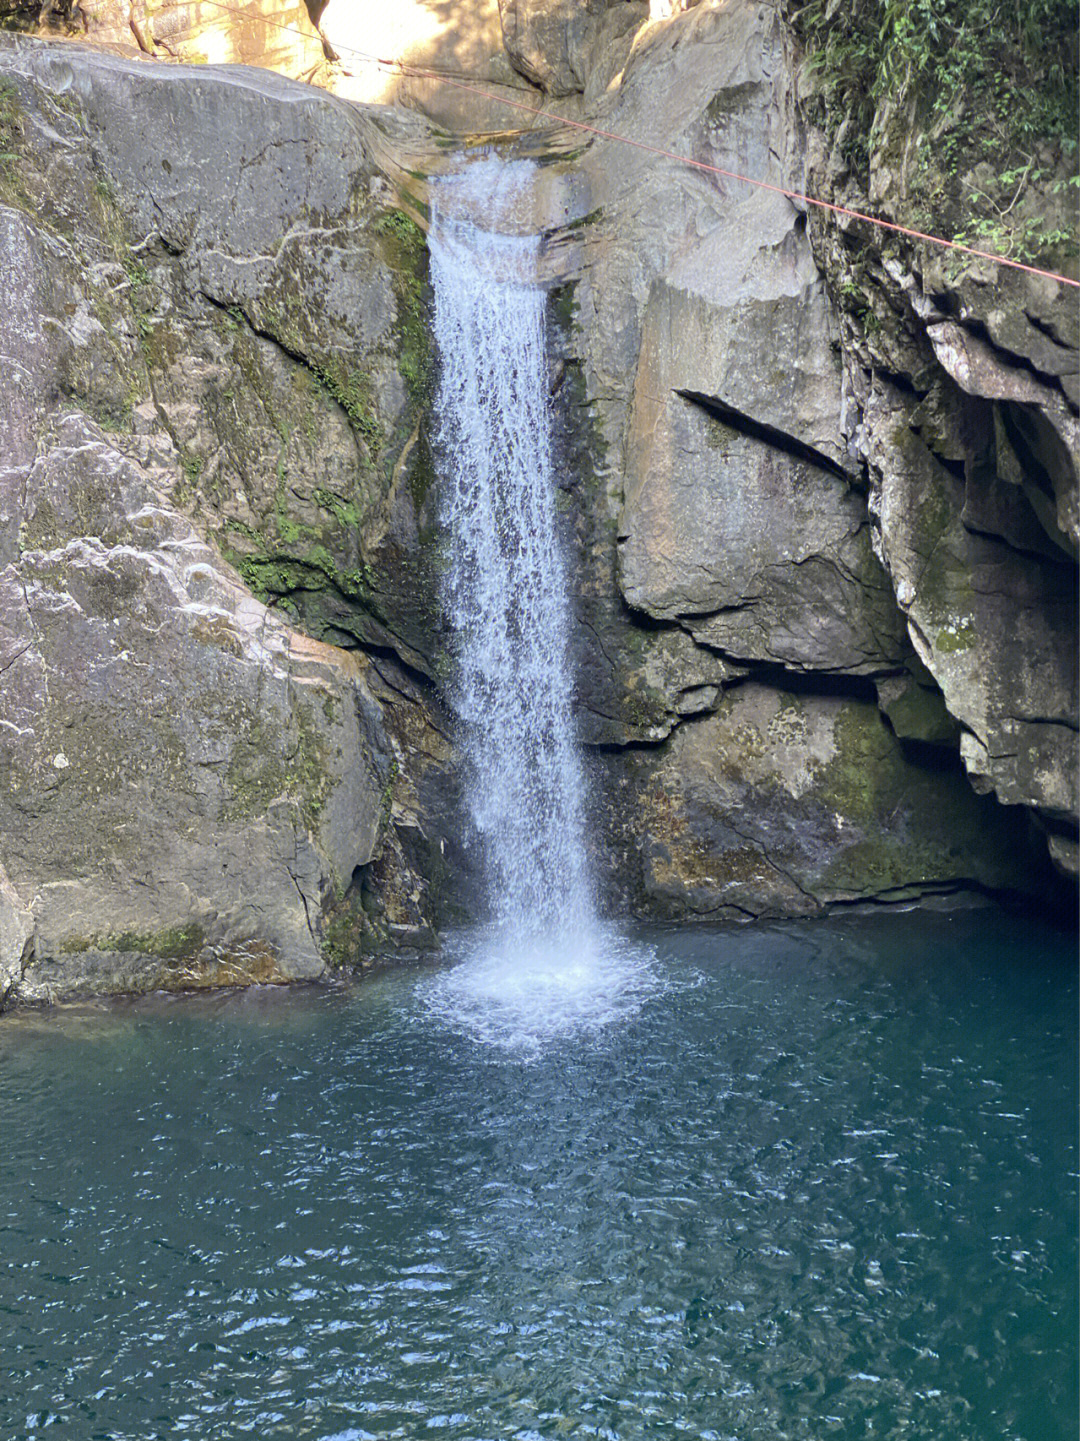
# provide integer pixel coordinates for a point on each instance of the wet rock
(782, 804)
(16, 937)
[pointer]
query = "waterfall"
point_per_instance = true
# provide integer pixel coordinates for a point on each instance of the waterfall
(505, 591)
(542, 966)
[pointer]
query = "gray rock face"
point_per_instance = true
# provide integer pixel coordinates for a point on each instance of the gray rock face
(187, 782)
(964, 401)
(191, 785)
(16, 937)
(825, 585)
(746, 423)
(764, 556)
(781, 804)
(737, 515)
(996, 626)
(566, 46)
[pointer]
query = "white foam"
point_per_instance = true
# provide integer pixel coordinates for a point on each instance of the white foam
(524, 997)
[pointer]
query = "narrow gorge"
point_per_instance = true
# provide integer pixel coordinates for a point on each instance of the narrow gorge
(815, 485)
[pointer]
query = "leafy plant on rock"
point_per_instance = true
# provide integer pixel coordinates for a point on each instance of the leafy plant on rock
(989, 86)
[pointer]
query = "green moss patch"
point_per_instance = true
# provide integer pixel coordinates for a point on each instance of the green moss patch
(11, 135)
(955, 638)
(259, 773)
(405, 252)
(181, 943)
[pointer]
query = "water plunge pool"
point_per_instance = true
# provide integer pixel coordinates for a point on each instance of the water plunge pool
(822, 1182)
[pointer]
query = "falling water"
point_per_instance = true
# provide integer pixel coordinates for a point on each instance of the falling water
(544, 962)
(505, 591)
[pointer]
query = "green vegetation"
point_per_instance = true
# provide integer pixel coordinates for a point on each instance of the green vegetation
(109, 417)
(403, 228)
(343, 936)
(67, 101)
(955, 638)
(345, 512)
(179, 944)
(192, 467)
(350, 933)
(280, 318)
(405, 252)
(278, 577)
(990, 92)
(11, 188)
(352, 391)
(582, 222)
(134, 269)
(10, 123)
(259, 772)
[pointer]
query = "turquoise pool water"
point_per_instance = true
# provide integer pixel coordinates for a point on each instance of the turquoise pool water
(821, 1182)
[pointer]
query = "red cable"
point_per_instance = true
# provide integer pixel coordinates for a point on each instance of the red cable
(415, 71)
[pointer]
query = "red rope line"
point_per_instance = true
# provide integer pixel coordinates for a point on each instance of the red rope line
(793, 195)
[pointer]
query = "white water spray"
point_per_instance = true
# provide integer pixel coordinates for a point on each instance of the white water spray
(544, 965)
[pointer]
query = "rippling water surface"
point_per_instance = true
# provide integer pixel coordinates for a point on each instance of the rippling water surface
(821, 1182)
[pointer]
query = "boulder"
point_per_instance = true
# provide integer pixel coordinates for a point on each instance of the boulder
(194, 788)
(188, 782)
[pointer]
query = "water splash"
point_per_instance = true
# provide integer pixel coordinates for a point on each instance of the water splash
(524, 999)
(544, 955)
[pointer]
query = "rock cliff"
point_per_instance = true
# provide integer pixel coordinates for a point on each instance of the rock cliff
(771, 525)
(820, 492)
(194, 427)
